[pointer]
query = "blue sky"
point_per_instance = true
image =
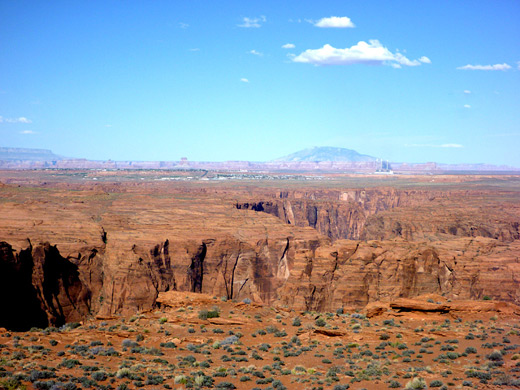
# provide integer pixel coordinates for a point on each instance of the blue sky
(408, 81)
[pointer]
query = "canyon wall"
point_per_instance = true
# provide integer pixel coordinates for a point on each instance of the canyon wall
(379, 214)
(304, 275)
(67, 254)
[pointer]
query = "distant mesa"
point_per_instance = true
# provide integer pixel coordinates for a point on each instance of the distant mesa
(316, 159)
(25, 154)
(327, 153)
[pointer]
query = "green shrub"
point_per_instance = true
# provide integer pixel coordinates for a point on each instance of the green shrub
(416, 384)
(320, 322)
(204, 314)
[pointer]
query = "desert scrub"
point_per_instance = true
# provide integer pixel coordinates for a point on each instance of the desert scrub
(270, 329)
(213, 313)
(69, 363)
(495, 356)
(181, 379)
(225, 385)
(320, 322)
(99, 376)
(416, 384)
(12, 384)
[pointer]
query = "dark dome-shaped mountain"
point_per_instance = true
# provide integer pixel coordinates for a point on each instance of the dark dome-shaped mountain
(327, 153)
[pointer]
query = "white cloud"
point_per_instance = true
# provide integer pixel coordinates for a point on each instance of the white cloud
(27, 132)
(467, 106)
(108, 125)
(467, 91)
(256, 53)
(288, 46)
(518, 64)
(485, 67)
(451, 146)
(184, 25)
(244, 80)
(335, 22)
(252, 22)
(372, 53)
(195, 49)
(425, 60)
(21, 119)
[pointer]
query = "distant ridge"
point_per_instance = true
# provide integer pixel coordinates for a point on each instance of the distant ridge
(25, 154)
(327, 153)
(317, 159)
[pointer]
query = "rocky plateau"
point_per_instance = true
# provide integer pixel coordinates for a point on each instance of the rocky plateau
(77, 244)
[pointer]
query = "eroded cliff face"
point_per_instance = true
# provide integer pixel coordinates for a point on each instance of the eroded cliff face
(353, 274)
(379, 214)
(39, 288)
(304, 275)
(112, 253)
(224, 267)
(336, 214)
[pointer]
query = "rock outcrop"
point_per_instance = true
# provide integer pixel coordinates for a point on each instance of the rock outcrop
(39, 288)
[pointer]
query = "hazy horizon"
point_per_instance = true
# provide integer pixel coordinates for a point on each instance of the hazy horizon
(156, 81)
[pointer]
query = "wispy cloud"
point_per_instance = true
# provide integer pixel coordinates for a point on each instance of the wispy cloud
(20, 119)
(335, 22)
(183, 25)
(288, 46)
(256, 53)
(425, 60)
(467, 106)
(252, 22)
(371, 53)
(108, 125)
(244, 80)
(451, 146)
(503, 66)
(467, 91)
(28, 132)
(434, 146)
(194, 49)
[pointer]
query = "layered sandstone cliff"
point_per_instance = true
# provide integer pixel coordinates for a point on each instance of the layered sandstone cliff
(111, 249)
(369, 214)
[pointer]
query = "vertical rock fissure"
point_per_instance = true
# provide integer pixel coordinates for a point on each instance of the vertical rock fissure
(103, 235)
(335, 255)
(242, 286)
(196, 270)
(233, 274)
(284, 251)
